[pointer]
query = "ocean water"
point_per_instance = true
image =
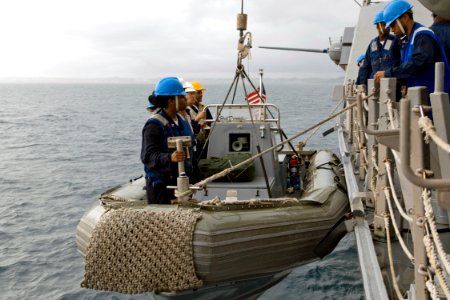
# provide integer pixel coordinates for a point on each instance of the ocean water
(61, 145)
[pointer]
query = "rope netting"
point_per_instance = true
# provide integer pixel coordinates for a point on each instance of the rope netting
(137, 251)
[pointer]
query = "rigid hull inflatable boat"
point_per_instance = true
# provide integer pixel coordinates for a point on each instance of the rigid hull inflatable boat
(231, 238)
(259, 211)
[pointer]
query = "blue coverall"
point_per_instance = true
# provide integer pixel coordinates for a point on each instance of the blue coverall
(379, 57)
(442, 30)
(419, 56)
(159, 170)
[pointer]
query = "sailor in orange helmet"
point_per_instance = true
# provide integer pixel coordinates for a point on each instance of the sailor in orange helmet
(198, 114)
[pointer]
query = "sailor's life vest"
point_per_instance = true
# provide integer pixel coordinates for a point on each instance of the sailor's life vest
(170, 129)
(382, 56)
(426, 78)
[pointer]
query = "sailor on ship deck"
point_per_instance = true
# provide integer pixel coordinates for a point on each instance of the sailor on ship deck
(382, 53)
(421, 49)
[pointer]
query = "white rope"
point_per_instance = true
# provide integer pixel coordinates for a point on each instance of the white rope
(366, 106)
(373, 179)
(432, 258)
(374, 158)
(394, 225)
(373, 184)
(397, 203)
(364, 154)
(432, 290)
(391, 261)
(428, 128)
(390, 113)
(430, 220)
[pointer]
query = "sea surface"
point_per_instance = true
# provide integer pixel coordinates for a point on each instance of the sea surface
(61, 145)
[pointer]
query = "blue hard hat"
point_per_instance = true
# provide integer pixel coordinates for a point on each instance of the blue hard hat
(169, 86)
(360, 58)
(394, 9)
(379, 18)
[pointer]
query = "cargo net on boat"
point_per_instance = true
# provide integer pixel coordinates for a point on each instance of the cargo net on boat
(134, 251)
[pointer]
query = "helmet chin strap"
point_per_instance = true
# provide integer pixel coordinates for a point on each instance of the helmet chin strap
(401, 28)
(380, 27)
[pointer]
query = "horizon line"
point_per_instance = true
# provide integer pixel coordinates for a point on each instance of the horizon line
(137, 79)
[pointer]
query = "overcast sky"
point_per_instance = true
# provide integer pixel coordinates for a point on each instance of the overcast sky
(149, 39)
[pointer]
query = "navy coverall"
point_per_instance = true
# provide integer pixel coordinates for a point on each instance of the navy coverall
(379, 57)
(419, 56)
(159, 170)
(442, 30)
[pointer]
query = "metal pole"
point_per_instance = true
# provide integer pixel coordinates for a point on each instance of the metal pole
(410, 127)
(181, 169)
(439, 78)
(261, 72)
(182, 180)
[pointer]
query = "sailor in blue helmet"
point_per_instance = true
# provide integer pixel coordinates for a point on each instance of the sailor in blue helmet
(151, 106)
(160, 162)
(421, 49)
(360, 60)
(382, 53)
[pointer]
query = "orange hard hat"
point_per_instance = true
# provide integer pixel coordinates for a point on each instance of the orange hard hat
(197, 86)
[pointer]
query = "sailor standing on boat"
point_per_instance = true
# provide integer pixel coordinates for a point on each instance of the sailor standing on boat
(151, 107)
(198, 114)
(196, 107)
(383, 51)
(160, 162)
(421, 49)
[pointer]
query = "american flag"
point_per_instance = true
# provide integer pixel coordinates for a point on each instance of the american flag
(253, 97)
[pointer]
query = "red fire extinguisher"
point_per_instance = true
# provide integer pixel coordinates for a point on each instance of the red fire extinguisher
(294, 169)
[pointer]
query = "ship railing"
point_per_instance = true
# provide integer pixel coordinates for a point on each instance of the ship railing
(374, 286)
(418, 167)
(393, 142)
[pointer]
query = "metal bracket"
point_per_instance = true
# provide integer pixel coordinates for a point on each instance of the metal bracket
(379, 229)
